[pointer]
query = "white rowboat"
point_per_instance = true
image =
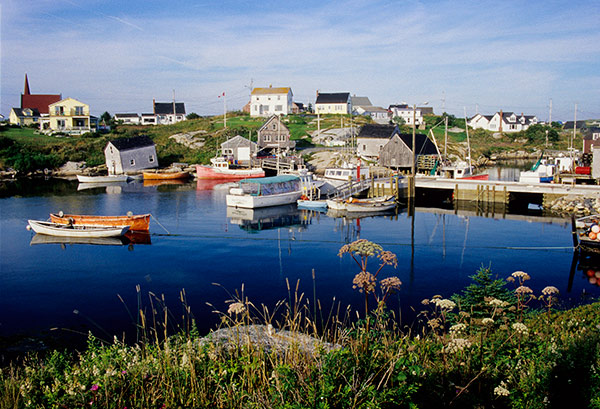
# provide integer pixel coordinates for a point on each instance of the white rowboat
(102, 179)
(55, 229)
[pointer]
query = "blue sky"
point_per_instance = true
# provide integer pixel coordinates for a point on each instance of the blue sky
(476, 55)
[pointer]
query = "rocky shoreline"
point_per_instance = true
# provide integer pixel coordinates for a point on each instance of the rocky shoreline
(575, 205)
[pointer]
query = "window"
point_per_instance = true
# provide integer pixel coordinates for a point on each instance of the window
(60, 123)
(267, 138)
(150, 159)
(78, 110)
(132, 162)
(278, 107)
(274, 126)
(59, 110)
(278, 97)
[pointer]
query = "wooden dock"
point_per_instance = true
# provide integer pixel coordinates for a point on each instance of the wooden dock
(496, 191)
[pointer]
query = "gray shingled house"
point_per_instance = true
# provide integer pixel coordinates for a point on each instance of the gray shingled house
(130, 155)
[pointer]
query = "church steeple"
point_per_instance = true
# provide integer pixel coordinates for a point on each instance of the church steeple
(26, 91)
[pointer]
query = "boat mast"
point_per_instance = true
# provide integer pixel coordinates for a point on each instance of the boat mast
(468, 142)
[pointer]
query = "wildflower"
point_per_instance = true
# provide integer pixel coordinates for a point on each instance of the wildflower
(443, 303)
(389, 258)
(550, 291)
(494, 302)
(487, 321)
(391, 284)
(521, 275)
(425, 301)
(501, 390)
(94, 387)
(457, 328)
(457, 344)
(520, 328)
(361, 247)
(523, 290)
(364, 281)
(236, 308)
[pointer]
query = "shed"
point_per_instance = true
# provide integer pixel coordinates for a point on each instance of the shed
(239, 149)
(274, 135)
(372, 138)
(130, 155)
(397, 153)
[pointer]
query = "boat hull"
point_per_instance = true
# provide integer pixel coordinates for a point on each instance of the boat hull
(312, 204)
(166, 176)
(588, 231)
(252, 202)
(102, 179)
(483, 176)
(209, 172)
(137, 222)
(61, 230)
(377, 204)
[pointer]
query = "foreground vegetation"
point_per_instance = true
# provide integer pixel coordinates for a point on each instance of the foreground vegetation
(25, 150)
(482, 348)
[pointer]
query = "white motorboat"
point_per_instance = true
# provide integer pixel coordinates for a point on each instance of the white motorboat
(263, 192)
(375, 204)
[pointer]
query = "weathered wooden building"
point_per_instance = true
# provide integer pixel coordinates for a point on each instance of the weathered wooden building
(239, 149)
(372, 138)
(274, 135)
(397, 153)
(129, 155)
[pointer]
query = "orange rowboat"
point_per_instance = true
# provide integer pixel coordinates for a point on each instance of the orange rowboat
(136, 222)
(166, 176)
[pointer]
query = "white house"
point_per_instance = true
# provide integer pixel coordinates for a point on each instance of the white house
(407, 113)
(168, 112)
(131, 119)
(480, 121)
(271, 101)
(510, 122)
(126, 155)
(333, 103)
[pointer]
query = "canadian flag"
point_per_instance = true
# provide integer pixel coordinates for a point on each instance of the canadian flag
(222, 95)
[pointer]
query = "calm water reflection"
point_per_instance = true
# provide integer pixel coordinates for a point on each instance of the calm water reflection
(196, 241)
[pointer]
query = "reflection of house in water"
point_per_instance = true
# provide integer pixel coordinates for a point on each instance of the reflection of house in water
(265, 218)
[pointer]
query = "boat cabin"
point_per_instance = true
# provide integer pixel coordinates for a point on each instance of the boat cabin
(269, 186)
(346, 173)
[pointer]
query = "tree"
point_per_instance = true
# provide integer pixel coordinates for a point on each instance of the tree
(537, 133)
(105, 117)
(192, 115)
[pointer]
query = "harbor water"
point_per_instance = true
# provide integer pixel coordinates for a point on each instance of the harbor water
(199, 246)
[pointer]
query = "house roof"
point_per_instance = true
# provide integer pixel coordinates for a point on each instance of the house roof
(569, 125)
(334, 98)
(20, 112)
(237, 141)
(423, 144)
(127, 115)
(39, 101)
(124, 144)
(272, 118)
(166, 108)
(270, 90)
(361, 101)
(399, 106)
(376, 131)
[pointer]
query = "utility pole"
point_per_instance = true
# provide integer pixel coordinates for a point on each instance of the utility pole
(550, 114)
(412, 181)
(573, 138)
(224, 110)
(174, 110)
(445, 136)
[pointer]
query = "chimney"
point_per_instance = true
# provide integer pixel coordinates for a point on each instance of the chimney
(153, 106)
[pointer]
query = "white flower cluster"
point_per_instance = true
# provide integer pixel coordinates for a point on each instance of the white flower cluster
(457, 329)
(501, 390)
(487, 321)
(550, 290)
(494, 302)
(520, 328)
(444, 304)
(521, 275)
(457, 344)
(236, 308)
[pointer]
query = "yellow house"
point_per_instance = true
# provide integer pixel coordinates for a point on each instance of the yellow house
(69, 116)
(24, 116)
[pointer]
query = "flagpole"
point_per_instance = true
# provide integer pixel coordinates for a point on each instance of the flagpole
(224, 110)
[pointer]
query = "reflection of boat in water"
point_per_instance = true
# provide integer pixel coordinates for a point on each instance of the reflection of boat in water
(115, 187)
(589, 265)
(102, 241)
(212, 184)
(264, 218)
(333, 213)
(138, 237)
(162, 182)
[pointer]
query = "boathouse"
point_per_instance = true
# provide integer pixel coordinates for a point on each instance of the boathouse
(239, 150)
(397, 153)
(130, 155)
(372, 138)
